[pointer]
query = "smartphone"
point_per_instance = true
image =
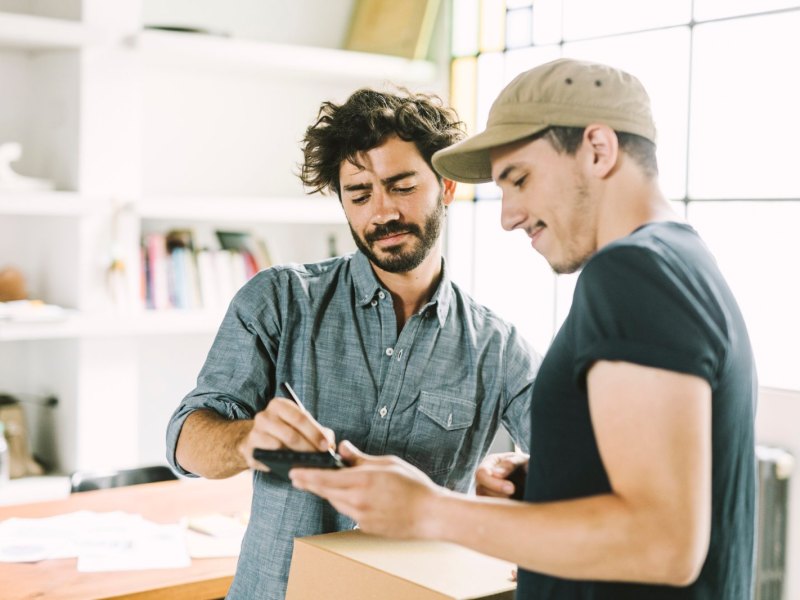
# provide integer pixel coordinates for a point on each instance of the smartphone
(518, 477)
(281, 461)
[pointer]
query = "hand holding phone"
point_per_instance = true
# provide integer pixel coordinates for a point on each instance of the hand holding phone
(280, 462)
(497, 472)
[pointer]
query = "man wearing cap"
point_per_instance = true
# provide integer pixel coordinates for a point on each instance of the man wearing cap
(641, 482)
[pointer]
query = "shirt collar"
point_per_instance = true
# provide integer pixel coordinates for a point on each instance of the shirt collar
(367, 287)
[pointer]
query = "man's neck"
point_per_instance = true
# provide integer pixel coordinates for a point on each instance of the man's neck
(628, 206)
(412, 290)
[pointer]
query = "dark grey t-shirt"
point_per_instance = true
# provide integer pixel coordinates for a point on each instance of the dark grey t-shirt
(654, 298)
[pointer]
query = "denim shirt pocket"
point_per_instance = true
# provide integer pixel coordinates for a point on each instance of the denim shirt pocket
(441, 425)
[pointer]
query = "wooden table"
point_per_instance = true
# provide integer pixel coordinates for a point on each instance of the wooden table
(164, 502)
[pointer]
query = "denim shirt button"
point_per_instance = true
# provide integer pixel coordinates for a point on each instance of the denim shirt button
(383, 412)
(389, 351)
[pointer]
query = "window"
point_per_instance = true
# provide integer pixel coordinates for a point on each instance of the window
(727, 124)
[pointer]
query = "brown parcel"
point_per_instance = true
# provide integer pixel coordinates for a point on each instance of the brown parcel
(352, 565)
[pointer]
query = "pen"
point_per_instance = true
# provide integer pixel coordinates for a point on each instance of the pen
(293, 396)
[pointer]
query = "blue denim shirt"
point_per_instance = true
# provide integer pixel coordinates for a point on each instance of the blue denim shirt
(434, 395)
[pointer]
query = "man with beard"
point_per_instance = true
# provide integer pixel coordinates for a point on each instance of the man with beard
(381, 346)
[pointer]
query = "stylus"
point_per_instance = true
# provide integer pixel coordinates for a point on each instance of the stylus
(297, 401)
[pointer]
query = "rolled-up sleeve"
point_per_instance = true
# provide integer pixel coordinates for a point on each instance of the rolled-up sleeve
(238, 375)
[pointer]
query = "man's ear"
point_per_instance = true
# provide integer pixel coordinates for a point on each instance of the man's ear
(602, 147)
(448, 190)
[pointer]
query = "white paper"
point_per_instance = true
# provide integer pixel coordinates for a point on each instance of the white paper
(143, 546)
(112, 541)
(214, 536)
(32, 540)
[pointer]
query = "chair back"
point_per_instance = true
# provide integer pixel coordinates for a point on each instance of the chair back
(84, 481)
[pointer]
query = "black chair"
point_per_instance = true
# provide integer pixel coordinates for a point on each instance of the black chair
(85, 481)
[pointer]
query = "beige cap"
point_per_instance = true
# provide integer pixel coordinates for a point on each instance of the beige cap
(565, 92)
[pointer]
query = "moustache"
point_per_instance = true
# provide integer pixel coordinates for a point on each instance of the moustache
(391, 228)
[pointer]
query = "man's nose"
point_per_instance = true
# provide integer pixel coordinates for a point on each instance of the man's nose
(511, 214)
(385, 207)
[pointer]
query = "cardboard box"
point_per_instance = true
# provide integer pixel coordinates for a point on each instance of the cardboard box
(352, 565)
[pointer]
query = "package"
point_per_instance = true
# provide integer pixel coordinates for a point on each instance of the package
(352, 565)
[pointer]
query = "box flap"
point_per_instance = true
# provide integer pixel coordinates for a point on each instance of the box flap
(446, 568)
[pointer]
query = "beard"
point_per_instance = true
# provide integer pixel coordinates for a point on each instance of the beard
(576, 254)
(400, 258)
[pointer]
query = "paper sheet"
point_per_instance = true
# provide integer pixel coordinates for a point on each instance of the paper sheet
(214, 535)
(112, 541)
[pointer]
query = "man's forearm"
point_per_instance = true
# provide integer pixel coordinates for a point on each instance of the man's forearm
(599, 537)
(208, 445)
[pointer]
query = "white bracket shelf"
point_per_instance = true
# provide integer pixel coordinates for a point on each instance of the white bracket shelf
(301, 210)
(46, 204)
(141, 323)
(27, 32)
(200, 50)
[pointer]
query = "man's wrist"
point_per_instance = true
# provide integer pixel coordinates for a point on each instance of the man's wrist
(435, 514)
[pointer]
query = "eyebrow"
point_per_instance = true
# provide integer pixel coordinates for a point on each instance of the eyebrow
(356, 187)
(505, 173)
(398, 177)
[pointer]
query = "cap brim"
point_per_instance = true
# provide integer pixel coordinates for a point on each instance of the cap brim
(468, 161)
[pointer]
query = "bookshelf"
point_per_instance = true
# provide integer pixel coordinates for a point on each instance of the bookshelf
(144, 131)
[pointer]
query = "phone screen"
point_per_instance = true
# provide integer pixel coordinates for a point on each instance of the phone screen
(280, 462)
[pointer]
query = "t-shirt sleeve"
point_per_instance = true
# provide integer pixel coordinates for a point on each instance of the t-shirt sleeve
(631, 305)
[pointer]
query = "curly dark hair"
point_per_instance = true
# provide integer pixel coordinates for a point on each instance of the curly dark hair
(363, 122)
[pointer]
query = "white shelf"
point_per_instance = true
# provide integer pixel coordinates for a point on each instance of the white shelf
(43, 204)
(144, 323)
(318, 210)
(207, 51)
(27, 32)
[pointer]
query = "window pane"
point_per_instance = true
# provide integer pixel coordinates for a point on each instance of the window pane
(660, 60)
(512, 278)
(490, 82)
(463, 98)
(519, 28)
(493, 21)
(463, 90)
(565, 288)
(744, 125)
(523, 59)
(547, 21)
(465, 27)
(460, 249)
(757, 246)
(587, 18)
(714, 9)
